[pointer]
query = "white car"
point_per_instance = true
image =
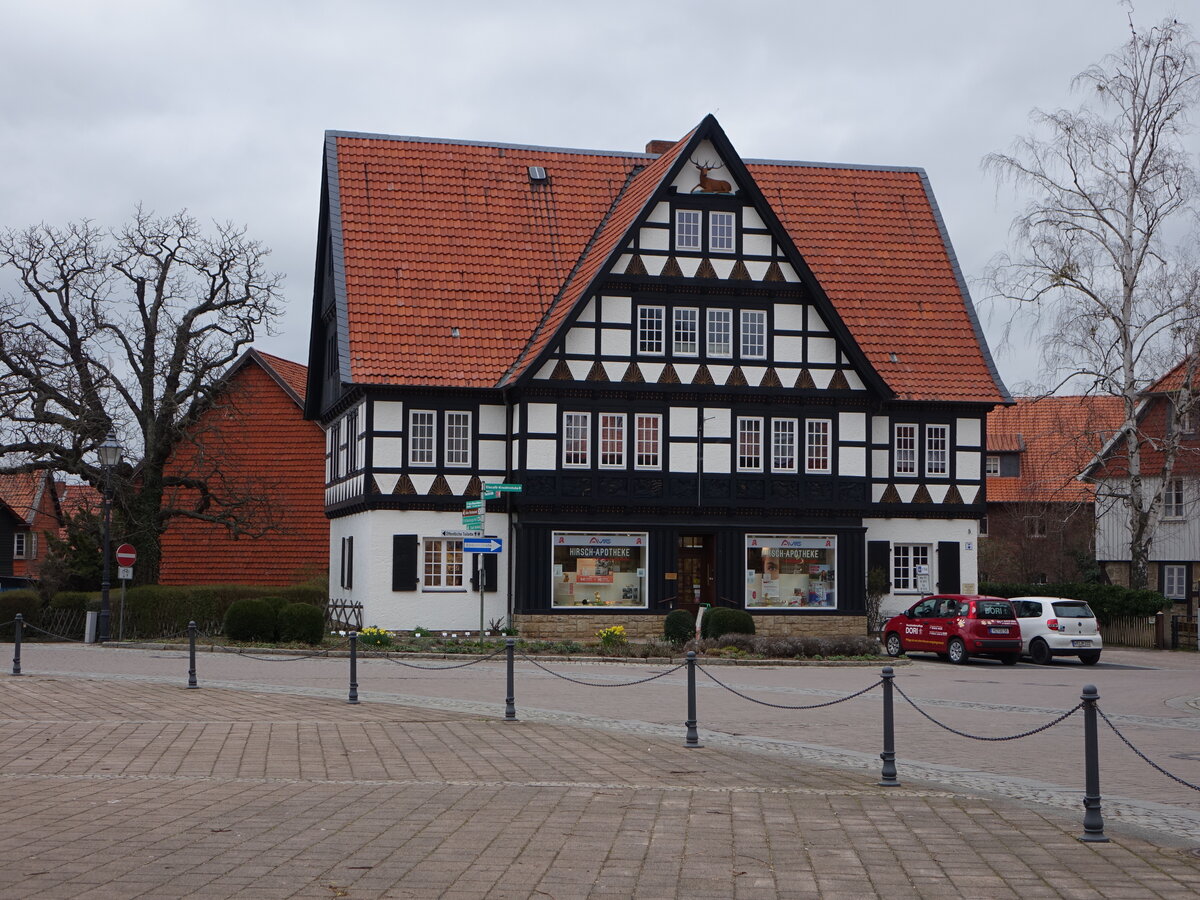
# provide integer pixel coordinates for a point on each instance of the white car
(1056, 626)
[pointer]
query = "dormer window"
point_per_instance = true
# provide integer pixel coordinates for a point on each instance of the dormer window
(687, 229)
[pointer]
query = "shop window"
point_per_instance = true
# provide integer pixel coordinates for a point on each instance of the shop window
(601, 569)
(576, 440)
(754, 334)
(442, 565)
(904, 454)
(721, 232)
(458, 438)
(612, 440)
(687, 229)
(649, 441)
(750, 439)
(783, 445)
(910, 568)
(791, 571)
(720, 333)
(937, 451)
(1173, 499)
(422, 437)
(687, 331)
(651, 329)
(817, 457)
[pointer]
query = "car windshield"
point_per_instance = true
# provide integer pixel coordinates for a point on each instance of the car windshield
(993, 609)
(1073, 609)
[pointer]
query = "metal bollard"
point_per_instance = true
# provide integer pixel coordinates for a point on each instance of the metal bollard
(18, 627)
(353, 698)
(887, 776)
(510, 705)
(1093, 821)
(693, 738)
(192, 655)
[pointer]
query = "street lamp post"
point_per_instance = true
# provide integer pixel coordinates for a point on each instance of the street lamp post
(110, 455)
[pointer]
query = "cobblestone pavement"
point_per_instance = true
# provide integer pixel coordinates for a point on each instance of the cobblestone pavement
(125, 786)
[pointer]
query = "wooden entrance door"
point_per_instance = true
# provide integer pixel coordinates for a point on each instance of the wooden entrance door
(696, 577)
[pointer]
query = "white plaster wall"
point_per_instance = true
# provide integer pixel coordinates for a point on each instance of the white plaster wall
(822, 350)
(492, 420)
(968, 432)
(756, 244)
(389, 415)
(929, 531)
(682, 422)
(655, 239)
(581, 341)
(815, 322)
(589, 312)
(616, 310)
(681, 457)
(614, 342)
(789, 349)
(880, 432)
(789, 317)
(660, 213)
(852, 426)
(543, 418)
(541, 454)
(716, 459)
(491, 455)
(388, 451)
(852, 461)
(751, 218)
(968, 463)
(717, 422)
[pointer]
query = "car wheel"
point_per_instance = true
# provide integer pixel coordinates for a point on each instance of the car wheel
(1039, 652)
(892, 644)
(1090, 659)
(1010, 659)
(957, 651)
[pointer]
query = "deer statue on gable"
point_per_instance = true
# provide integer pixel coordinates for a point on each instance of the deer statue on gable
(709, 185)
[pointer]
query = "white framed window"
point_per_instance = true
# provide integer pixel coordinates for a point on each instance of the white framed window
(333, 442)
(442, 566)
(750, 441)
(904, 455)
(783, 445)
(687, 331)
(991, 465)
(422, 437)
(687, 229)
(648, 434)
(458, 438)
(754, 334)
(25, 545)
(352, 441)
(612, 440)
(937, 451)
(817, 435)
(1172, 504)
(910, 568)
(720, 332)
(599, 569)
(577, 439)
(1175, 582)
(720, 232)
(652, 329)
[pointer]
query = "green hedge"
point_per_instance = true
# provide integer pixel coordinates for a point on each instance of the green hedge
(155, 610)
(722, 620)
(1108, 601)
(251, 619)
(302, 623)
(679, 626)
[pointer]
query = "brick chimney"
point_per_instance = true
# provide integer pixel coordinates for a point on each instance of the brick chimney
(659, 147)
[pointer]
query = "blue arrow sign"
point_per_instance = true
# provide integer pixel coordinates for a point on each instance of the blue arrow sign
(483, 545)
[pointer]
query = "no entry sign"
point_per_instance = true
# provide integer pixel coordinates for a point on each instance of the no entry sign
(126, 555)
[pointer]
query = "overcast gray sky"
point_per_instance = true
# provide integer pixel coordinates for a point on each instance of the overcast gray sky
(219, 106)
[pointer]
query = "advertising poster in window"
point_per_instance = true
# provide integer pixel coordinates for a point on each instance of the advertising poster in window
(791, 571)
(602, 569)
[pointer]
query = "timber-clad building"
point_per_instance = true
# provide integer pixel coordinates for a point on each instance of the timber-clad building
(716, 380)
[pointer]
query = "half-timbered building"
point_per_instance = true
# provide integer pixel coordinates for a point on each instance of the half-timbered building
(715, 380)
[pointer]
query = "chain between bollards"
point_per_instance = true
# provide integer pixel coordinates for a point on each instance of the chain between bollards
(353, 698)
(18, 627)
(887, 775)
(510, 700)
(1093, 820)
(192, 655)
(693, 738)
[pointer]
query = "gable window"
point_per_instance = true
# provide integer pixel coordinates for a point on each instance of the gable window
(577, 438)
(937, 450)
(1173, 499)
(750, 435)
(720, 332)
(991, 465)
(443, 565)
(1175, 582)
(910, 568)
(422, 437)
(612, 440)
(720, 232)
(458, 438)
(648, 428)
(687, 331)
(651, 329)
(754, 334)
(816, 445)
(352, 441)
(687, 229)
(25, 545)
(904, 456)
(783, 445)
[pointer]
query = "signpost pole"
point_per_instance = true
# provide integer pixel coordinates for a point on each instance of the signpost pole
(479, 571)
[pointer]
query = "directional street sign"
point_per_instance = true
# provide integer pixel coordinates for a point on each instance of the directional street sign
(483, 545)
(474, 504)
(475, 522)
(461, 532)
(490, 495)
(503, 488)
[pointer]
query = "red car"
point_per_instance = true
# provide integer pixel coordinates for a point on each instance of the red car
(956, 627)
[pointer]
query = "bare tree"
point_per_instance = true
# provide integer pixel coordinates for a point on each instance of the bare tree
(1112, 188)
(129, 329)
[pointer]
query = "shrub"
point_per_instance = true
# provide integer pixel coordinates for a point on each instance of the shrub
(26, 602)
(76, 600)
(372, 636)
(250, 620)
(723, 620)
(301, 622)
(679, 626)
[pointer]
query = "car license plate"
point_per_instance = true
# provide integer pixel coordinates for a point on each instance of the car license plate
(1081, 643)
(995, 630)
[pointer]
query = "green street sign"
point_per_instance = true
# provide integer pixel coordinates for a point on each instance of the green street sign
(472, 522)
(474, 504)
(504, 488)
(490, 495)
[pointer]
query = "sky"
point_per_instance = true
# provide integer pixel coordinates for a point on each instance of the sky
(220, 106)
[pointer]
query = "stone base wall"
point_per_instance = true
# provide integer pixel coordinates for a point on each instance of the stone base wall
(583, 628)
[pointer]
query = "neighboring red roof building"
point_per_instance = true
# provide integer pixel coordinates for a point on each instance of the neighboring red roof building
(32, 497)
(255, 446)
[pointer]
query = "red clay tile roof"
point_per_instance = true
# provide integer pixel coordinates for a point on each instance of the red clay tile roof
(266, 447)
(1060, 435)
(1177, 379)
(293, 375)
(76, 498)
(19, 490)
(439, 235)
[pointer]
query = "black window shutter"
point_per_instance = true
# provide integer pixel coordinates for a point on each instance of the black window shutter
(489, 572)
(948, 571)
(879, 556)
(349, 562)
(404, 562)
